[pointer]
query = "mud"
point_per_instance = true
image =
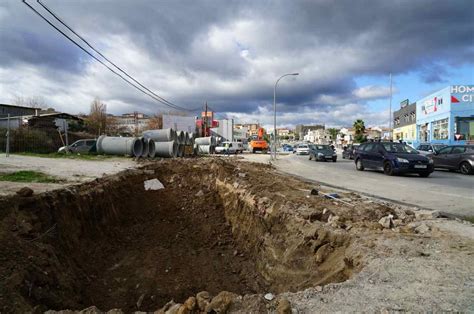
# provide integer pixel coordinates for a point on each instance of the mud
(216, 226)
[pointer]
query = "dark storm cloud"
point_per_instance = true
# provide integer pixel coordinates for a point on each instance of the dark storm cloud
(230, 52)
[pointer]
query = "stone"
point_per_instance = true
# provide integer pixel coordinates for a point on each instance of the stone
(284, 306)
(333, 219)
(242, 175)
(174, 309)
(140, 300)
(203, 298)
(190, 303)
(422, 229)
(386, 222)
(221, 302)
(269, 296)
(318, 288)
(153, 184)
(200, 193)
(25, 192)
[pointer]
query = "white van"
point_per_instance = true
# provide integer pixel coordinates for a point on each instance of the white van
(234, 148)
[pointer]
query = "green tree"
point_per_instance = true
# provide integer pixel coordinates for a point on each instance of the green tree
(333, 132)
(359, 128)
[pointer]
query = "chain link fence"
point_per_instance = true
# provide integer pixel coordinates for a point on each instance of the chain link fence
(40, 141)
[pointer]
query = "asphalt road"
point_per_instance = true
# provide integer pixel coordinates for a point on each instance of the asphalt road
(443, 190)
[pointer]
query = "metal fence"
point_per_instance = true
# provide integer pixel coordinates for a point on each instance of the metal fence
(33, 140)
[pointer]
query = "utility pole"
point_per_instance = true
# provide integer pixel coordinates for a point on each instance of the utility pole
(204, 121)
(7, 150)
(390, 111)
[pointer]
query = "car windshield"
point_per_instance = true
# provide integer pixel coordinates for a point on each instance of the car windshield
(322, 147)
(303, 146)
(399, 148)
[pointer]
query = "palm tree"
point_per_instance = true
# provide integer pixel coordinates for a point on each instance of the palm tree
(359, 127)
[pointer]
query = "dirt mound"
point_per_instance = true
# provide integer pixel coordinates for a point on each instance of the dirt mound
(215, 226)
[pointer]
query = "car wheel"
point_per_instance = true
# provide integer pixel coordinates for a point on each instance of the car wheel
(359, 165)
(465, 168)
(334, 159)
(388, 169)
(310, 158)
(343, 157)
(424, 174)
(253, 151)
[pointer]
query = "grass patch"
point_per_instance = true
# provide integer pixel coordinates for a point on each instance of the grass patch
(469, 218)
(70, 156)
(27, 176)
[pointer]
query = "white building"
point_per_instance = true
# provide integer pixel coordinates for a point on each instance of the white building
(345, 137)
(319, 136)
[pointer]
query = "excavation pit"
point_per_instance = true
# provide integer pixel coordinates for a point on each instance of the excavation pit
(215, 226)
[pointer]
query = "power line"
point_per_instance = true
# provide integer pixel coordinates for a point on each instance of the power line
(151, 94)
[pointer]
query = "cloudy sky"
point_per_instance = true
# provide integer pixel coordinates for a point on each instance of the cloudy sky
(230, 53)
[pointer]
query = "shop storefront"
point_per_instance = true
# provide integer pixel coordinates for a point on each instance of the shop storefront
(447, 116)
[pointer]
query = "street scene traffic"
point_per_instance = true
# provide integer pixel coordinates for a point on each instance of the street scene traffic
(188, 157)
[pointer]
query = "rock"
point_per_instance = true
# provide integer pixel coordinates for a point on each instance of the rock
(314, 192)
(422, 229)
(397, 222)
(284, 306)
(25, 192)
(221, 302)
(153, 184)
(269, 296)
(242, 175)
(190, 303)
(203, 299)
(90, 310)
(140, 300)
(200, 193)
(386, 222)
(115, 311)
(174, 309)
(333, 219)
(318, 288)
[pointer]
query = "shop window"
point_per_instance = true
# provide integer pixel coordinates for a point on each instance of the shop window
(440, 129)
(465, 128)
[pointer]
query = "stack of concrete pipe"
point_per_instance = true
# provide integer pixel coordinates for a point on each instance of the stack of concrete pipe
(205, 145)
(128, 146)
(166, 142)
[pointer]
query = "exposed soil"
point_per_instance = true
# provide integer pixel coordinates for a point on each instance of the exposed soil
(216, 226)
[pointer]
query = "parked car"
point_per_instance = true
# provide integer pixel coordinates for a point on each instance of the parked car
(287, 148)
(80, 146)
(302, 149)
(428, 148)
(322, 153)
(234, 148)
(458, 157)
(392, 158)
(349, 151)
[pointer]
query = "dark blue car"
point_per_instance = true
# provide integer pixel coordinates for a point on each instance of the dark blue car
(392, 158)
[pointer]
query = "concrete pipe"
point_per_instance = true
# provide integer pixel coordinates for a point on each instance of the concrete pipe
(165, 135)
(145, 147)
(166, 149)
(180, 150)
(206, 149)
(151, 148)
(187, 139)
(110, 145)
(210, 140)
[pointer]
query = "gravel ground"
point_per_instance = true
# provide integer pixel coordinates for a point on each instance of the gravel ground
(70, 170)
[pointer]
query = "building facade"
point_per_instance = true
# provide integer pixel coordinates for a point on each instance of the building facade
(404, 123)
(446, 116)
(17, 111)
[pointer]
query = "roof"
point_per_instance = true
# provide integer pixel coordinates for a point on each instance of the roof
(59, 115)
(23, 107)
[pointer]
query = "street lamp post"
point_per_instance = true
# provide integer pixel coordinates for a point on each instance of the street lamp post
(275, 114)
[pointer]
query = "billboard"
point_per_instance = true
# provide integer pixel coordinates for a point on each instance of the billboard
(179, 123)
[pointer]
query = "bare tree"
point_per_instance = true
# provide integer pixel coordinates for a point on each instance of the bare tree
(96, 122)
(33, 102)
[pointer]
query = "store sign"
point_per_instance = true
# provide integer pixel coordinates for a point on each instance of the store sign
(466, 93)
(432, 105)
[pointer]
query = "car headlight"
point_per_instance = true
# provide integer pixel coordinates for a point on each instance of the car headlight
(430, 161)
(402, 160)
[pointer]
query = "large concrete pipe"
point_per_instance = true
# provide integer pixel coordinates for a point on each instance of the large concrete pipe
(180, 137)
(206, 149)
(210, 140)
(180, 150)
(110, 145)
(151, 147)
(145, 147)
(186, 138)
(165, 135)
(166, 149)
(191, 138)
